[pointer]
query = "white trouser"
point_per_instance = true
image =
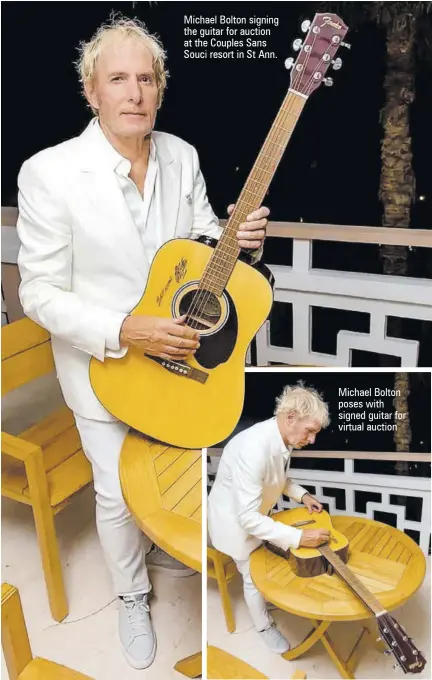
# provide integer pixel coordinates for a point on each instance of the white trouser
(123, 542)
(254, 600)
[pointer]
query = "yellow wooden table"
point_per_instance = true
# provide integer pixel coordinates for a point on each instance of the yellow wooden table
(387, 561)
(161, 485)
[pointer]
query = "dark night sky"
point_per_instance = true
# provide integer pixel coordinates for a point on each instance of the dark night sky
(262, 388)
(329, 174)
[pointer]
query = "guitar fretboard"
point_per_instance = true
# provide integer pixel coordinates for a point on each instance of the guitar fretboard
(224, 258)
(351, 580)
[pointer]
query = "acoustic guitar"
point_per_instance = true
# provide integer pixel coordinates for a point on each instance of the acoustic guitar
(198, 402)
(332, 557)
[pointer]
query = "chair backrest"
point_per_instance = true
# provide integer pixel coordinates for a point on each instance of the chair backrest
(15, 642)
(26, 354)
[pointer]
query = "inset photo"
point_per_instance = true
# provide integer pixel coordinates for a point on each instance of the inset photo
(319, 528)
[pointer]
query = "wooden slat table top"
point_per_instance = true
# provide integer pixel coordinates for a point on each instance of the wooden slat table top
(162, 488)
(385, 559)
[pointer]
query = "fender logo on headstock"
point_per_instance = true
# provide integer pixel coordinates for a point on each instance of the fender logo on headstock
(417, 664)
(327, 21)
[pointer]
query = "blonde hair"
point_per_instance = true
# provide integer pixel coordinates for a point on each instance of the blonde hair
(305, 401)
(123, 28)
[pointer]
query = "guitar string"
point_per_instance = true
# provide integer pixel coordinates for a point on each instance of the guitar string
(197, 307)
(199, 302)
(360, 587)
(203, 299)
(282, 116)
(215, 264)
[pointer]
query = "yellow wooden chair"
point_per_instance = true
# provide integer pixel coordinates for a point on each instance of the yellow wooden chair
(223, 569)
(16, 645)
(44, 465)
(223, 666)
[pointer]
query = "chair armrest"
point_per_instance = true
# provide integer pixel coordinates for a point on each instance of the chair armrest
(18, 448)
(15, 642)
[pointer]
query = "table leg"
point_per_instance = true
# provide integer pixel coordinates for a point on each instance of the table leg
(308, 642)
(319, 633)
(343, 668)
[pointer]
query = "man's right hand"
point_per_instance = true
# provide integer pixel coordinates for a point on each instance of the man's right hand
(312, 538)
(165, 338)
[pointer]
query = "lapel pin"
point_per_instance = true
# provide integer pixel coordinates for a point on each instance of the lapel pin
(189, 199)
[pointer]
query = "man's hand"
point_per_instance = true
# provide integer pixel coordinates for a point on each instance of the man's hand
(312, 538)
(251, 234)
(165, 338)
(311, 503)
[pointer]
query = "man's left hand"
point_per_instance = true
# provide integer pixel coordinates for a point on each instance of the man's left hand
(251, 234)
(312, 504)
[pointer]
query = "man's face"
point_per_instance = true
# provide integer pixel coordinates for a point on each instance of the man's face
(124, 89)
(300, 432)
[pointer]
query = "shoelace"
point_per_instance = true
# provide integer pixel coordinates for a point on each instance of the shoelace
(137, 621)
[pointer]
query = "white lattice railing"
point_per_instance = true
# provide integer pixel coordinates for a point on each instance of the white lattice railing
(351, 482)
(305, 287)
(378, 295)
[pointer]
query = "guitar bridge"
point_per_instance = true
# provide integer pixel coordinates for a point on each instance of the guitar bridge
(181, 369)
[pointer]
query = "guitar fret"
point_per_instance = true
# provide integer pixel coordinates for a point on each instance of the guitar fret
(271, 157)
(280, 146)
(280, 127)
(249, 191)
(262, 169)
(263, 184)
(351, 579)
(222, 262)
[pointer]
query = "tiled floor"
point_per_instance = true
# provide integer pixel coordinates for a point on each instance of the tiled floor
(87, 640)
(415, 615)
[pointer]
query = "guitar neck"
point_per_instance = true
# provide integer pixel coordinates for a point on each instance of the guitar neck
(369, 600)
(224, 258)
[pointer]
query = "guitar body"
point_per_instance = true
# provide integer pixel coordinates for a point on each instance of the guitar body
(308, 562)
(203, 407)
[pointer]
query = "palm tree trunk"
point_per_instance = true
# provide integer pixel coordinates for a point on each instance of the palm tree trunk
(397, 183)
(402, 436)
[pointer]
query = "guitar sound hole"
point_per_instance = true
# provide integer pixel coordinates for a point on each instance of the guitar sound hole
(202, 308)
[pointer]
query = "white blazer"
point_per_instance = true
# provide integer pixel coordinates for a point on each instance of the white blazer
(82, 262)
(249, 481)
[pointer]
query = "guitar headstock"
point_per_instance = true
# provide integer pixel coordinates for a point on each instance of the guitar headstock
(402, 647)
(324, 37)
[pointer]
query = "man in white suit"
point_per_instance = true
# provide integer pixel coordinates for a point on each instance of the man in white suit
(93, 211)
(251, 477)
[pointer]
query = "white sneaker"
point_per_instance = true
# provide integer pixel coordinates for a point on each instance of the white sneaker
(158, 559)
(137, 635)
(274, 639)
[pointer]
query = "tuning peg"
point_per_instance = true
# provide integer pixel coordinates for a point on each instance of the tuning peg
(305, 25)
(328, 82)
(337, 64)
(347, 45)
(397, 665)
(387, 652)
(379, 639)
(297, 44)
(289, 62)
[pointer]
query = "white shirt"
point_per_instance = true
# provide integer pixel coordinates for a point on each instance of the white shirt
(141, 207)
(251, 477)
